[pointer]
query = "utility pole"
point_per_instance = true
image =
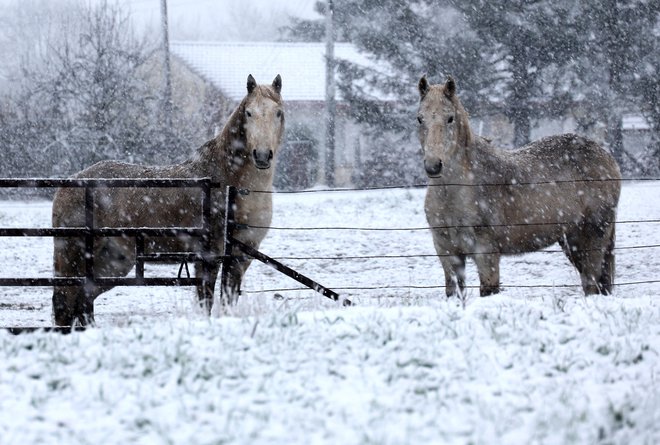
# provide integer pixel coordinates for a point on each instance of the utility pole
(330, 106)
(167, 93)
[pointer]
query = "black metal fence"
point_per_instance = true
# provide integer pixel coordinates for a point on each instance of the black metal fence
(89, 231)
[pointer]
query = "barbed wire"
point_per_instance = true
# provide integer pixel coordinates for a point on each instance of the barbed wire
(454, 184)
(441, 286)
(452, 226)
(434, 255)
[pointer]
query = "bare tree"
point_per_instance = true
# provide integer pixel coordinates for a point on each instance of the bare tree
(87, 88)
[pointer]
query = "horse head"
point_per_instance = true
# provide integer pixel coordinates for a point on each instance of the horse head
(444, 131)
(263, 121)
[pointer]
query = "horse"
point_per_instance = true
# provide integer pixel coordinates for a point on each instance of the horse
(242, 155)
(483, 202)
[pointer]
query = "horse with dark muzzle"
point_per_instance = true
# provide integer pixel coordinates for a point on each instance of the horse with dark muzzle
(241, 155)
(483, 202)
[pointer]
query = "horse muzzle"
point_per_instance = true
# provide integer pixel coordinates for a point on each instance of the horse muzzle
(262, 158)
(433, 168)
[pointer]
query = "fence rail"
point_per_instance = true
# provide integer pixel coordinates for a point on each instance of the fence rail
(89, 231)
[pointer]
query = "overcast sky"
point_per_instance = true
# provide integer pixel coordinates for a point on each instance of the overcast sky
(252, 20)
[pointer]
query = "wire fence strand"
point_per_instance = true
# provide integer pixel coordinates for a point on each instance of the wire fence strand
(512, 183)
(432, 255)
(441, 286)
(449, 226)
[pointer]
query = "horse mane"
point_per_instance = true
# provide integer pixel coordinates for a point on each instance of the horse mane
(465, 135)
(232, 138)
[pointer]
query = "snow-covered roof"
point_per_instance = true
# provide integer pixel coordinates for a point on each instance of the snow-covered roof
(227, 64)
(634, 122)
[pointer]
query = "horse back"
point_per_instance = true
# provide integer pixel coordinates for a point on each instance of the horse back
(130, 206)
(559, 182)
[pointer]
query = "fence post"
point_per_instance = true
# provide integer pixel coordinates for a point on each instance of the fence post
(230, 226)
(87, 310)
(207, 244)
(139, 253)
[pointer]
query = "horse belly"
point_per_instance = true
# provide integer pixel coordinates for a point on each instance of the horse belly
(521, 240)
(256, 212)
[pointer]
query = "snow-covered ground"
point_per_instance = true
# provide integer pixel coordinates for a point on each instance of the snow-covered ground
(538, 363)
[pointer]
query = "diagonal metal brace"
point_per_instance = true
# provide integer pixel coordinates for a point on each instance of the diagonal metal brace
(289, 272)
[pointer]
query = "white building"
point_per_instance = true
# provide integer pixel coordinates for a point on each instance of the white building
(226, 65)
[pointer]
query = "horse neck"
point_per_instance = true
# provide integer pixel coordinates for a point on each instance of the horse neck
(214, 158)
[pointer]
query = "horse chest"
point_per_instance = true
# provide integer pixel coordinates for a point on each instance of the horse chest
(453, 217)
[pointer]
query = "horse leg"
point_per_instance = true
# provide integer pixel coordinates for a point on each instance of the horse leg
(68, 261)
(205, 293)
(454, 268)
(587, 249)
(76, 303)
(73, 304)
(232, 275)
(488, 266)
(64, 305)
(606, 281)
(569, 246)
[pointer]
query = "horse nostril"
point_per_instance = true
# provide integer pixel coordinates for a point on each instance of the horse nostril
(433, 168)
(262, 158)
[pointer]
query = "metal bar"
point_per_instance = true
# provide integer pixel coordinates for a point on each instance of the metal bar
(103, 231)
(230, 226)
(99, 182)
(61, 281)
(89, 239)
(57, 329)
(139, 256)
(289, 272)
(169, 257)
(208, 282)
(106, 281)
(154, 281)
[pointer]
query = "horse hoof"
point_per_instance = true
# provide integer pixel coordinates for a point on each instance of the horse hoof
(488, 291)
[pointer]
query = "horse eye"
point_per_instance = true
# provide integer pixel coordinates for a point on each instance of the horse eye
(248, 114)
(279, 113)
(450, 120)
(420, 119)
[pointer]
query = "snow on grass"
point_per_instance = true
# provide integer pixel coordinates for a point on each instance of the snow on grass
(530, 365)
(498, 372)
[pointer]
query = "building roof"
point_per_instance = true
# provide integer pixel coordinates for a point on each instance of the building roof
(227, 64)
(634, 122)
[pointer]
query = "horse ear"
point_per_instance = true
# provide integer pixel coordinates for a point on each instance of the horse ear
(277, 84)
(251, 84)
(450, 87)
(423, 86)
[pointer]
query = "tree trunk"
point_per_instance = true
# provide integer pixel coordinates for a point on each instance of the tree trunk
(519, 111)
(614, 136)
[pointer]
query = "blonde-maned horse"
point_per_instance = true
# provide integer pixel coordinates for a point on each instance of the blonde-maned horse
(242, 155)
(483, 202)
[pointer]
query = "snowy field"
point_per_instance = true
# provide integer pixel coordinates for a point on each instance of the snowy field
(536, 364)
